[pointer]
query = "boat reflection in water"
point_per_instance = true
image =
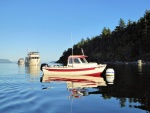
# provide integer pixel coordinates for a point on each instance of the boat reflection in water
(77, 85)
(131, 86)
(21, 69)
(33, 72)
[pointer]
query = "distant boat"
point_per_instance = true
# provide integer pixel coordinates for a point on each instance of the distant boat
(20, 61)
(32, 59)
(77, 65)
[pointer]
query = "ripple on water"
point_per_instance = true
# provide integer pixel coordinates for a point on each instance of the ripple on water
(31, 101)
(18, 95)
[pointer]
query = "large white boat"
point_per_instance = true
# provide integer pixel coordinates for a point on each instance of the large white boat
(32, 59)
(77, 65)
(20, 61)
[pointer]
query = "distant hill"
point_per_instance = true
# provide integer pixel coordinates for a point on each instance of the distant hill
(5, 61)
(52, 61)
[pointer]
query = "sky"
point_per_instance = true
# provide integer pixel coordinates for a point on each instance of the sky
(52, 26)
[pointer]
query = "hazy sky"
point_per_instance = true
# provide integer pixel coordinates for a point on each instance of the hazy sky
(47, 25)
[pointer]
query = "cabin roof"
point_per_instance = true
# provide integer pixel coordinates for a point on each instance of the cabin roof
(77, 56)
(33, 52)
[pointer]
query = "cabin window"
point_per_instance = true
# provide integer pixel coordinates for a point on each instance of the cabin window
(70, 61)
(34, 58)
(83, 60)
(76, 60)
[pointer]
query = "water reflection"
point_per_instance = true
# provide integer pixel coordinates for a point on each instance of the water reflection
(21, 69)
(132, 95)
(140, 68)
(77, 85)
(130, 88)
(32, 72)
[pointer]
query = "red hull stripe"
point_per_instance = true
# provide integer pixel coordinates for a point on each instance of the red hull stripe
(94, 74)
(70, 70)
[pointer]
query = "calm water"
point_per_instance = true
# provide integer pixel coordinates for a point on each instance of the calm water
(26, 90)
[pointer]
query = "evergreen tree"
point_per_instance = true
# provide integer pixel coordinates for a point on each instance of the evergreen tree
(106, 32)
(122, 23)
(126, 43)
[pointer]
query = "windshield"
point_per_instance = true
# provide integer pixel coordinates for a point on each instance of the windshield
(83, 60)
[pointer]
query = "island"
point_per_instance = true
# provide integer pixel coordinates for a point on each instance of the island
(5, 61)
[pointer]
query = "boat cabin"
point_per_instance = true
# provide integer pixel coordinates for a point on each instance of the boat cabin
(33, 58)
(33, 55)
(76, 60)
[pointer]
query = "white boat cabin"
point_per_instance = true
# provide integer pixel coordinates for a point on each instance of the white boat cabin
(79, 61)
(33, 58)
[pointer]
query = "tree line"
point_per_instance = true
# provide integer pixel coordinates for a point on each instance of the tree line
(127, 42)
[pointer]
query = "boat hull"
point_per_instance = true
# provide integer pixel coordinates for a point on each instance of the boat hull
(88, 71)
(33, 62)
(20, 63)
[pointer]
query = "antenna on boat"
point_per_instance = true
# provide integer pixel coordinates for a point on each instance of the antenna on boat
(72, 43)
(82, 51)
(72, 49)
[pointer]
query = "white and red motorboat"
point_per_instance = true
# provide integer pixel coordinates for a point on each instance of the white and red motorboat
(77, 65)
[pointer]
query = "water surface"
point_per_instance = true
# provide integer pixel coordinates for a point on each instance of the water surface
(25, 90)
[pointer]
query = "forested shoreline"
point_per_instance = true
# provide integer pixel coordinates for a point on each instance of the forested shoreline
(126, 43)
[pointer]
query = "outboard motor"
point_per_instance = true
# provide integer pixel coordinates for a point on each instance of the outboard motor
(43, 65)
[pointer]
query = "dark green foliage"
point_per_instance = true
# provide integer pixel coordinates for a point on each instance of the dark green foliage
(126, 43)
